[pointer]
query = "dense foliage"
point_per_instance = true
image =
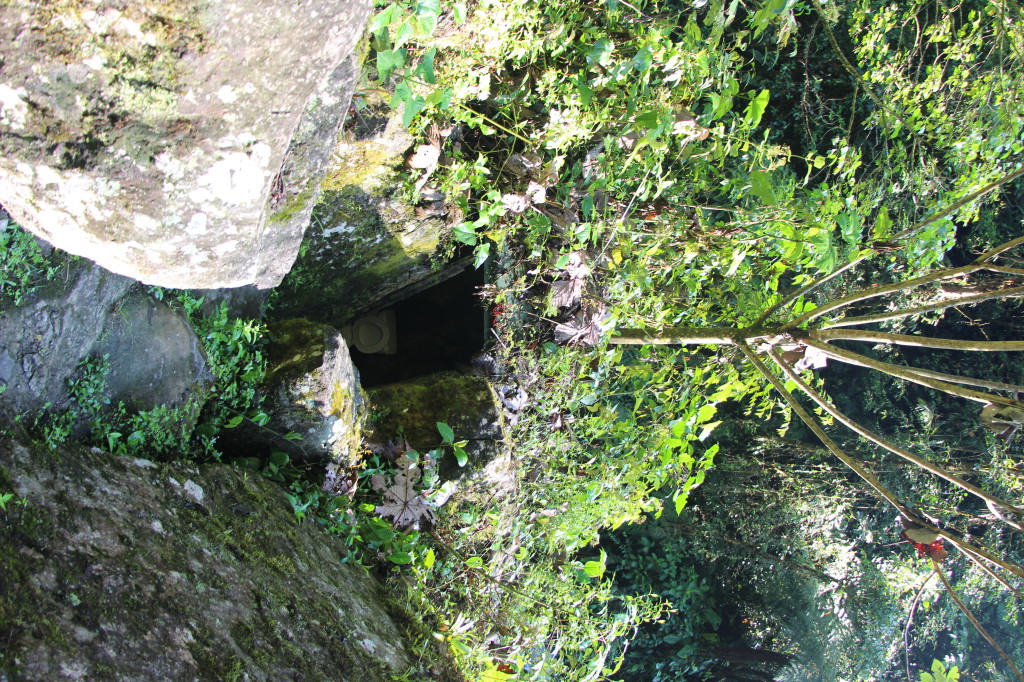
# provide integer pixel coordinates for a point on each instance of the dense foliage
(668, 192)
(640, 168)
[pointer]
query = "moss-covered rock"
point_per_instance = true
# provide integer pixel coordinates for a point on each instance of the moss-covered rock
(117, 568)
(312, 391)
(153, 354)
(410, 410)
(365, 243)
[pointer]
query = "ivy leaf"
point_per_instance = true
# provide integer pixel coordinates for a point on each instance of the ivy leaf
(425, 69)
(384, 18)
(761, 186)
(465, 233)
(388, 61)
(601, 52)
(883, 224)
(446, 432)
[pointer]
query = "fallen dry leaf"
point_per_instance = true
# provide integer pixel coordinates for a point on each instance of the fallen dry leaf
(403, 503)
(583, 328)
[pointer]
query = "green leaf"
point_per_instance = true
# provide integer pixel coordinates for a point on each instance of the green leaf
(400, 558)
(446, 432)
(643, 60)
(278, 458)
(601, 52)
(595, 569)
(461, 456)
(761, 186)
(755, 110)
(483, 252)
(425, 69)
(465, 233)
(459, 12)
(705, 413)
(388, 61)
(428, 559)
(413, 106)
(474, 562)
(384, 18)
(233, 422)
(404, 31)
(883, 224)
(648, 120)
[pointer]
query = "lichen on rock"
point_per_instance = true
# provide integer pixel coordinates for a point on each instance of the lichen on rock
(178, 142)
(118, 568)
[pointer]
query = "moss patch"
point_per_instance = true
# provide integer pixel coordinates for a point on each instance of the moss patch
(169, 572)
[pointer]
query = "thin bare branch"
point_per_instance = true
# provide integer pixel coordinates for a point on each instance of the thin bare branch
(1005, 270)
(868, 477)
(875, 292)
(1001, 249)
(992, 574)
(909, 374)
(814, 426)
(940, 305)
(882, 442)
(969, 381)
(807, 288)
(686, 336)
(917, 341)
(974, 621)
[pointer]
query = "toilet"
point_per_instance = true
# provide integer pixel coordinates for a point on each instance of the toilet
(374, 333)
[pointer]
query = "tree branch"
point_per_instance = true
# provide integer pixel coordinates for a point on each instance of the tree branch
(974, 621)
(917, 341)
(908, 374)
(868, 477)
(940, 305)
(888, 445)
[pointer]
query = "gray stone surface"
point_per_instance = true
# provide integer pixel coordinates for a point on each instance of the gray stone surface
(154, 354)
(312, 390)
(178, 142)
(366, 243)
(121, 569)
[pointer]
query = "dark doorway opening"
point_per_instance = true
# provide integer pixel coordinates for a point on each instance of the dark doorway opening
(436, 330)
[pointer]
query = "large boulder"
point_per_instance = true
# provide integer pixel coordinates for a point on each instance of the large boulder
(178, 142)
(117, 568)
(153, 354)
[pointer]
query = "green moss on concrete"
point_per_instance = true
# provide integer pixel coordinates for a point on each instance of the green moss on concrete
(297, 347)
(363, 164)
(354, 255)
(411, 409)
